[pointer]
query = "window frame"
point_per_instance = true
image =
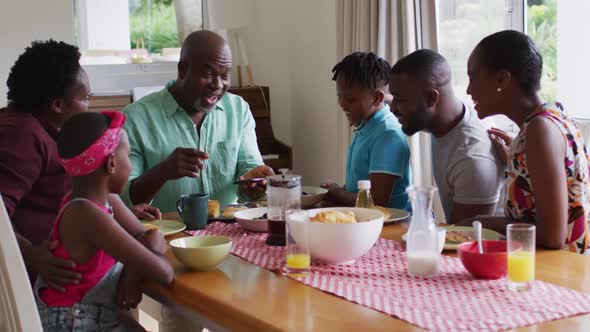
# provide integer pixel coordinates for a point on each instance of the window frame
(117, 79)
(515, 11)
(514, 19)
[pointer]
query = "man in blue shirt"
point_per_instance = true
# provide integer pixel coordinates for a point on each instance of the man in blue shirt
(379, 151)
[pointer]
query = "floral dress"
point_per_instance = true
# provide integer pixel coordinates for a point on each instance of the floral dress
(520, 201)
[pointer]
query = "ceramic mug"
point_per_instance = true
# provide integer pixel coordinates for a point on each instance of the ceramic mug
(192, 208)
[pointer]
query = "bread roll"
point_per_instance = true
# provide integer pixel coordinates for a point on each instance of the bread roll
(335, 217)
(150, 226)
(385, 211)
(213, 209)
(457, 236)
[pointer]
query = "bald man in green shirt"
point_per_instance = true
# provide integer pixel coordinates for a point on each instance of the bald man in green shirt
(193, 136)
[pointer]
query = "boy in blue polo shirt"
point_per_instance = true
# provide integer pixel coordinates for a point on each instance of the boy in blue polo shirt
(379, 150)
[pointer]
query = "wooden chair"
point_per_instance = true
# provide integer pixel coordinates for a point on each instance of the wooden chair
(18, 311)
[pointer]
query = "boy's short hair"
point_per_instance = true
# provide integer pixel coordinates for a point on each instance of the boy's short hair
(364, 68)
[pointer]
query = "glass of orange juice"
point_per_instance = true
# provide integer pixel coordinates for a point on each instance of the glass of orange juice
(298, 259)
(521, 256)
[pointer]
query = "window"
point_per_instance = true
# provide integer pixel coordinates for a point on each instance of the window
(133, 43)
(541, 26)
(153, 24)
(130, 31)
(463, 23)
(565, 51)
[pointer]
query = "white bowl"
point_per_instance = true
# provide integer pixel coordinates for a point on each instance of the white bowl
(246, 219)
(313, 197)
(341, 243)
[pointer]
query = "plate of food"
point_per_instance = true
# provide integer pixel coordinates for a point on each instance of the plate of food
(224, 213)
(254, 220)
(392, 215)
(311, 196)
(459, 234)
(166, 227)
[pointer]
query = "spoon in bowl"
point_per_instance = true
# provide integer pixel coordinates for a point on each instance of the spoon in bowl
(477, 228)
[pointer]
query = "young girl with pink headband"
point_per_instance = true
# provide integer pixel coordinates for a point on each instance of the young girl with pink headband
(97, 231)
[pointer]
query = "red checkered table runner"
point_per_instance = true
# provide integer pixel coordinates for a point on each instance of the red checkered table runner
(451, 301)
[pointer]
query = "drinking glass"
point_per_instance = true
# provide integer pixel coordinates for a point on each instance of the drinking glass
(298, 259)
(521, 256)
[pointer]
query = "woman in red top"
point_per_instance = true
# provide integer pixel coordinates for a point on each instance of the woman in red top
(46, 86)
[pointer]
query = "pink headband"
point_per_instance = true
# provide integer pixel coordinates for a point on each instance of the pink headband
(97, 153)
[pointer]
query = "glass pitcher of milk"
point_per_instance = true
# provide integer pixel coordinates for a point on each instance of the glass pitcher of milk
(422, 250)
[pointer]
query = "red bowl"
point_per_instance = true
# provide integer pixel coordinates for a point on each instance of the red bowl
(492, 264)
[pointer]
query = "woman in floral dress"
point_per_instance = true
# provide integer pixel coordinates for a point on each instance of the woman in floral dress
(547, 178)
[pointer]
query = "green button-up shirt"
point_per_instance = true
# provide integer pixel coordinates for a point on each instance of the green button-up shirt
(156, 125)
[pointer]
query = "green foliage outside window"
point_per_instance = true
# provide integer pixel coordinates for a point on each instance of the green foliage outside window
(542, 28)
(154, 21)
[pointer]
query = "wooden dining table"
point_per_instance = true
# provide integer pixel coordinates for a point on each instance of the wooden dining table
(241, 296)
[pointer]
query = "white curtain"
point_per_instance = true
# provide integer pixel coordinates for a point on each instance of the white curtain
(584, 126)
(391, 29)
(189, 17)
(357, 29)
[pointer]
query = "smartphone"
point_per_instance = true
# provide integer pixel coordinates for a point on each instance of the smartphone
(249, 181)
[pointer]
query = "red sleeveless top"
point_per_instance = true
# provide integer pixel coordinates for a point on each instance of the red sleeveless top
(92, 271)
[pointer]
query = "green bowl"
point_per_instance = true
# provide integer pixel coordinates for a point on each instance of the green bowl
(201, 253)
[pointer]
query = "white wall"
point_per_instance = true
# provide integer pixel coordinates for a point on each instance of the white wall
(572, 57)
(103, 24)
(23, 21)
(267, 41)
(292, 49)
(229, 14)
(314, 104)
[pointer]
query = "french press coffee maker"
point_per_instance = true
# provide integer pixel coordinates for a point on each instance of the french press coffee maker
(284, 194)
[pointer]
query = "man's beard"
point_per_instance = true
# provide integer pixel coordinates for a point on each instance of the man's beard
(199, 108)
(417, 122)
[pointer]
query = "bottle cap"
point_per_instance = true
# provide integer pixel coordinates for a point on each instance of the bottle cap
(364, 184)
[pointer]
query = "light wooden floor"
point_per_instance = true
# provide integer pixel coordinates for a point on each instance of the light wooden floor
(148, 322)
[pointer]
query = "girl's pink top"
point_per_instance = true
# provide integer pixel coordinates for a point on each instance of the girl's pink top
(91, 271)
